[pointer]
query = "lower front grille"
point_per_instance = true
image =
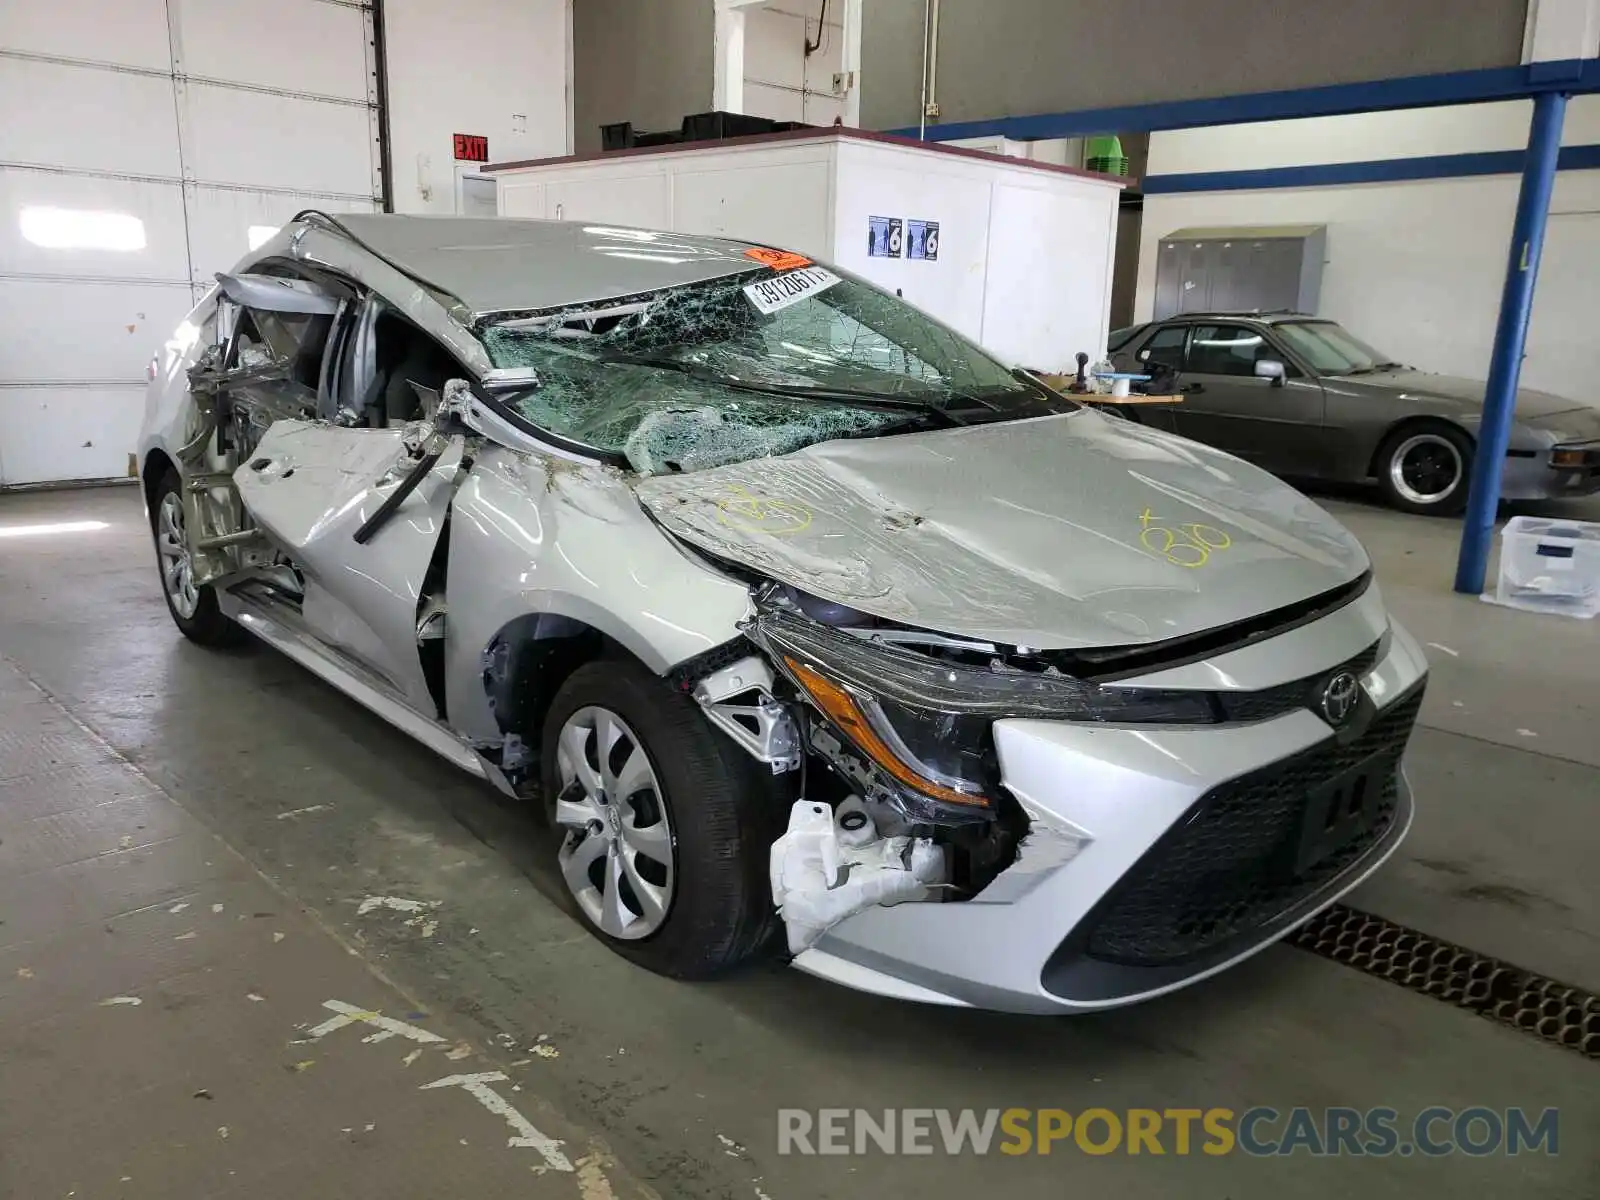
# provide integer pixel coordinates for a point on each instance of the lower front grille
(1239, 861)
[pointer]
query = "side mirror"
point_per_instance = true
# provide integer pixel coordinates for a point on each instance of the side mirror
(1271, 368)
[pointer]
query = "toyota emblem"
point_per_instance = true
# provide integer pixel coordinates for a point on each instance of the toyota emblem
(1339, 698)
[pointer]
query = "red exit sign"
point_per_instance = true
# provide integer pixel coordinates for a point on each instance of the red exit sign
(471, 148)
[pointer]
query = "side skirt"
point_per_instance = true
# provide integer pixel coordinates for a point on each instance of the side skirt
(278, 625)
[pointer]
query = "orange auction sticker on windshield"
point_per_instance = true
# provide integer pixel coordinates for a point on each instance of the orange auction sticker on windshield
(778, 260)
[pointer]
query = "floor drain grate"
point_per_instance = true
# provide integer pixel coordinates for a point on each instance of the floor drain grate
(1556, 1012)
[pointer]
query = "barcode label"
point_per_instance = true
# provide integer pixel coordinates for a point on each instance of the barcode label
(791, 287)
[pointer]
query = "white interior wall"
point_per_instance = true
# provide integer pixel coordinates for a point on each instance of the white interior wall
(1025, 256)
(1024, 259)
(1415, 267)
(782, 82)
(1361, 137)
(1559, 29)
(1061, 152)
(496, 68)
(778, 193)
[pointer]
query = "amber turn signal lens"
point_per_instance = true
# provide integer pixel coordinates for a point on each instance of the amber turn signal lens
(840, 707)
(1567, 458)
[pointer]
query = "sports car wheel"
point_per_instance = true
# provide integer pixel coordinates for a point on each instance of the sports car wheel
(194, 608)
(665, 825)
(1424, 469)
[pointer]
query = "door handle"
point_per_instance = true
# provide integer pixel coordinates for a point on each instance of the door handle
(1190, 389)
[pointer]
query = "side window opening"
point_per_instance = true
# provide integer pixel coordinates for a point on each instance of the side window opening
(297, 337)
(1165, 348)
(292, 322)
(1118, 339)
(1228, 350)
(407, 363)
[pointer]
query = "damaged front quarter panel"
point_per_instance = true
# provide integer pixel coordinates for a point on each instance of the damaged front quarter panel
(901, 834)
(739, 701)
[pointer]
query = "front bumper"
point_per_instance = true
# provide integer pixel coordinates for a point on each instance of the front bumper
(1135, 878)
(1537, 476)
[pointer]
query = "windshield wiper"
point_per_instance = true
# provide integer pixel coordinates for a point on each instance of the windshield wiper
(811, 392)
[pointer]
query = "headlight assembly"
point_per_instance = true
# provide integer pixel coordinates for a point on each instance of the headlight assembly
(925, 723)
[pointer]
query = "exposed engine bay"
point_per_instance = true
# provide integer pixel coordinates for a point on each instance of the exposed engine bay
(879, 821)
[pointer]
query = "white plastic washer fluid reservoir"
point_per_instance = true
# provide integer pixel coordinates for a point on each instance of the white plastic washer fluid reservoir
(854, 824)
(812, 848)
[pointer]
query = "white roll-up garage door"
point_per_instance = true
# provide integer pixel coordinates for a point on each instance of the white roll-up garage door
(144, 146)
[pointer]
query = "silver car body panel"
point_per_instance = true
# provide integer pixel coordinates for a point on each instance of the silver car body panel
(1051, 533)
(1459, 397)
(1033, 533)
(275, 294)
(537, 534)
(433, 312)
(279, 629)
(519, 266)
(310, 486)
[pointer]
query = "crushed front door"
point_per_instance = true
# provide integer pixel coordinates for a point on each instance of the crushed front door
(309, 483)
(311, 486)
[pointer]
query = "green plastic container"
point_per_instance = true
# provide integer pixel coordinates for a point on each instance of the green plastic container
(1104, 154)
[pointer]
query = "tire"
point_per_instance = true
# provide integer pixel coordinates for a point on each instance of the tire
(1426, 469)
(722, 811)
(194, 610)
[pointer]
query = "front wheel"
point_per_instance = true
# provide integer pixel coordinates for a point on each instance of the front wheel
(193, 607)
(1425, 469)
(665, 825)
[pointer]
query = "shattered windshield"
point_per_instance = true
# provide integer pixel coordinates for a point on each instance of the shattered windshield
(756, 364)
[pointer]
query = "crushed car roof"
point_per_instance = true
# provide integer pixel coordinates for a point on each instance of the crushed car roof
(504, 264)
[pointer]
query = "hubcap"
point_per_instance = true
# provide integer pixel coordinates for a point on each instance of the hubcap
(177, 568)
(617, 849)
(1426, 468)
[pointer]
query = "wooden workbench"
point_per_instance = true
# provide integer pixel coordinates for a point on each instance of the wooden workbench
(1063, 384)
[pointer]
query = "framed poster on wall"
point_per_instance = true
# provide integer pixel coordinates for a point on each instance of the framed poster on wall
(922, 240)
(885, 237)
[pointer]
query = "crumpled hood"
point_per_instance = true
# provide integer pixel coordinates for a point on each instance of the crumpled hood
(1058, 532)
(1533, 406)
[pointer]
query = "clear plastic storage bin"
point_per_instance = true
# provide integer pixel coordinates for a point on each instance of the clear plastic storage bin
(1550, 566)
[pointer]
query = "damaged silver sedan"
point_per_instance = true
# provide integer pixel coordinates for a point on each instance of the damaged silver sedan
(809, 625)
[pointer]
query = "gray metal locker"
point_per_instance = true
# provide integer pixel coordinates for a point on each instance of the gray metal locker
(1259, 268)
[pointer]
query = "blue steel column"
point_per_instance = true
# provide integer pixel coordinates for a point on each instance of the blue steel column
(1510, 336)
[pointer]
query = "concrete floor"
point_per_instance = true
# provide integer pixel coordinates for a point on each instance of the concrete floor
(139, 773)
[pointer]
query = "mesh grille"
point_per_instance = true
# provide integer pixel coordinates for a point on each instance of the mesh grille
(1286, 697)
(1236, 863)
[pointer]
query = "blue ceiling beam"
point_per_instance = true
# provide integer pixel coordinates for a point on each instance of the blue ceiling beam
(1385, 170)
(1570, 76)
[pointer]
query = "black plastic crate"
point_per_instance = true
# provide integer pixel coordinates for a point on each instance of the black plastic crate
(619, 136)
(714, 126)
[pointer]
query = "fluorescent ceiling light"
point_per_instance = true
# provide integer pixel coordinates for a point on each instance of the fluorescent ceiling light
(10, 531)
(81, 229)
(260, 235)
